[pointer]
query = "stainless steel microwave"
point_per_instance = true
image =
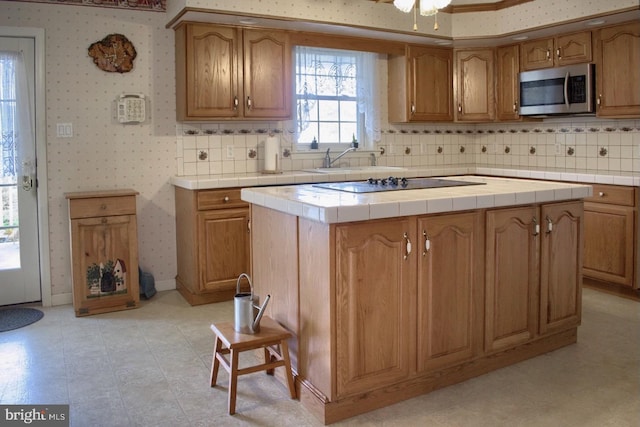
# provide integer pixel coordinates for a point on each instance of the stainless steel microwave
(561, 90)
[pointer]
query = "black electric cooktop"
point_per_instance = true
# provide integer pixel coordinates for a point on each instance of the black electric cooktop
(373, 185)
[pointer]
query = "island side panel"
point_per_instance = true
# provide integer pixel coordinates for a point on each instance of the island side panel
(186, 237)
(275, 268)
(317, 293)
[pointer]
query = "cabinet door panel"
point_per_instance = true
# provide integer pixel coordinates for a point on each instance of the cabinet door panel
(375, 286)
(450, 290)
(475, 85)
(608, 249)
(536, 54)
(267, 74)
(430, 83)
(512, 277)
(561, 265)
(508, 92)
(573, 48)
(212, 85)
(617, 63)
(105, 263)
(224, 247)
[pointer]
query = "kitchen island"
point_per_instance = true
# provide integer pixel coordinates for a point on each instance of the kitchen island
(393, 294)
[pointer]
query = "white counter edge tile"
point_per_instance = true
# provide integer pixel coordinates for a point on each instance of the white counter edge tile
(203, 182)
(329, 206)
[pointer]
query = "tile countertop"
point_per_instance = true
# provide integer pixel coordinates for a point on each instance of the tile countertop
(203, 182)
(331, 206)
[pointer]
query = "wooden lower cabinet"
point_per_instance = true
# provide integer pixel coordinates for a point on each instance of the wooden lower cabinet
(450, 291)
(611, 243)
(213, 243)
(561, 266)
(511, 277)
(104, 251)
(375, 311)
(533, 272)
(385, 310)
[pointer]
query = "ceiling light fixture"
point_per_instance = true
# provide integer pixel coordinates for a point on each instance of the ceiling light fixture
(426, 7)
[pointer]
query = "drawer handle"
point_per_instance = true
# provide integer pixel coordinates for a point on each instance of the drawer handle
(103, 220)
(103, 207)
(226, 199)
(601, 194)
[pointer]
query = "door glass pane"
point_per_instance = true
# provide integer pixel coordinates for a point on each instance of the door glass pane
(9, 236)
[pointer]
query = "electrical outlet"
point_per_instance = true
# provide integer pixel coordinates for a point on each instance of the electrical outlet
(229, 151)
(558, 149)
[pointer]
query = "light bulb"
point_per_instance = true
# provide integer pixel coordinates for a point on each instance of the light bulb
(404, 5)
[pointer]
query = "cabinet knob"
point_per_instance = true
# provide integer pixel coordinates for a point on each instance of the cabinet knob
(235, 102)
(559, 53)
(226, 199)
(249, 104)
(601, 194)
(103, 220)
(548, 54)
(459, 108)
(515, 106)
(103, 207)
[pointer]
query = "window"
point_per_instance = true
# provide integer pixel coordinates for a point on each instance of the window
(335, 96)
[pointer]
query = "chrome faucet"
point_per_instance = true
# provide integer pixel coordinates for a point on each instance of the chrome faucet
(327, 159)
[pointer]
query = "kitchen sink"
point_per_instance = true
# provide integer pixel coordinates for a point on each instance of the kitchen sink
(356, 169)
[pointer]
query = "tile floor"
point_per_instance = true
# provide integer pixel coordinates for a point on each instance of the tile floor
(150, 367)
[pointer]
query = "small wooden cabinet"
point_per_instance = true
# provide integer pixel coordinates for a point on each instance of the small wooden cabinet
(227, 72)
(617, 58)
(420, 85)
(507, 89)
(213, 243)
(611, 242)
(553, 52)
(533, 272)
(474, 85)
(104, 251)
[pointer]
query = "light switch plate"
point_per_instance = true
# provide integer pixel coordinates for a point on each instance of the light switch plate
(229, 151)
(64, 130)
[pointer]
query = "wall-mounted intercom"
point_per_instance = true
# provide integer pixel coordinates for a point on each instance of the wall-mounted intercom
(130, 108)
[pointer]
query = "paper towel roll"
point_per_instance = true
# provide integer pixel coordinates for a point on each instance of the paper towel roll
(272, 154)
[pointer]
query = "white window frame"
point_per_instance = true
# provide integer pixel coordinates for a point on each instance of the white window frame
(367, 127)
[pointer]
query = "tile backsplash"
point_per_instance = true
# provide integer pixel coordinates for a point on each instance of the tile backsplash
(581, 144)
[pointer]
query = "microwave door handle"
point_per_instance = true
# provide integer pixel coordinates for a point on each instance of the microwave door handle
(566, 89)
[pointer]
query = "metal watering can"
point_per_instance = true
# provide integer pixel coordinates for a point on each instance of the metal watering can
(243, 309)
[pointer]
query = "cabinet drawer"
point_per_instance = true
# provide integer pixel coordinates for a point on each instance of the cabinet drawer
(613, 194)
(218, 199)
(102, 206)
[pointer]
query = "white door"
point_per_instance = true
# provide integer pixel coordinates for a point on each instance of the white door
(19, 251)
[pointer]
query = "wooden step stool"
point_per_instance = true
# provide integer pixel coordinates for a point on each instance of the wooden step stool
(228, 341)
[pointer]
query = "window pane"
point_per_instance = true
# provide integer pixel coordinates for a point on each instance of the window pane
(348, 111)
(329, 132)
(306, 136)
(348, 131)
(328, 110)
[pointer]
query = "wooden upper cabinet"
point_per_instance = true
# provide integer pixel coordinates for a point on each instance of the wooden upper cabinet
(474, 85)
(227, 72)
(563, 50)
(617, 58)
(507, 90)
(420, 85)
(267, 74)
